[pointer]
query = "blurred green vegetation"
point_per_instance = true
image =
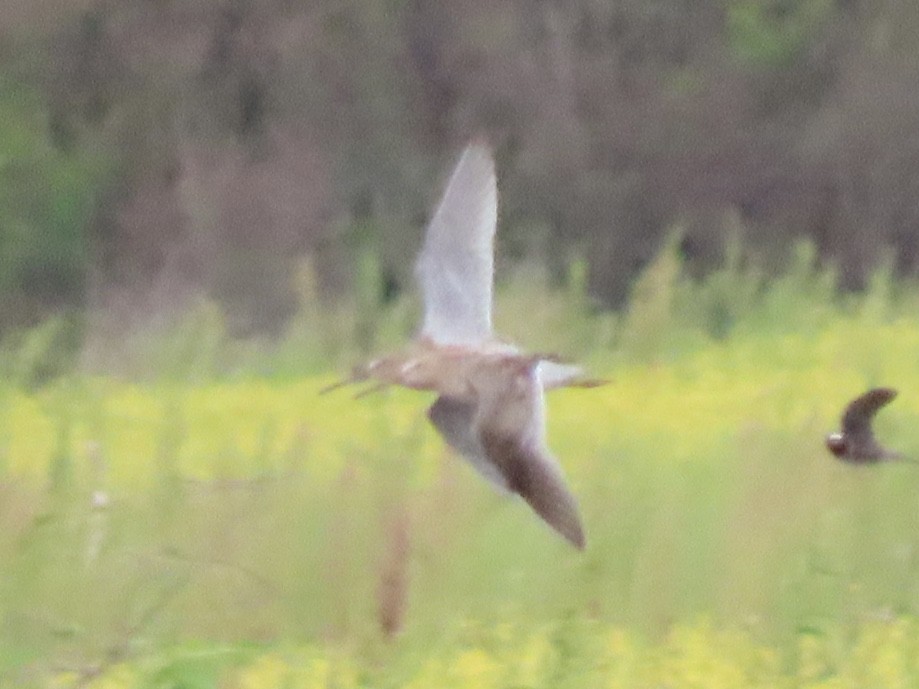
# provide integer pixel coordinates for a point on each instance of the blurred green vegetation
(179, 507)
(47, 198)
(150, 154)
(208, 519)
(773, 32)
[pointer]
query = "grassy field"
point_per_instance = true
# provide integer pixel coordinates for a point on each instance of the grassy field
(209, 520)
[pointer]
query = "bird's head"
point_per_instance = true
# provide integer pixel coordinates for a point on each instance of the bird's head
(836, 443)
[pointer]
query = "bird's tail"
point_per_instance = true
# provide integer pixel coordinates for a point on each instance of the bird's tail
(554, 373)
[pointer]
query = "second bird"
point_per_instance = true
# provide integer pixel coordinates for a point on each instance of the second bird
(856, 442)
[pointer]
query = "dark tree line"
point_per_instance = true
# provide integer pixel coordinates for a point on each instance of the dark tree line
(191, 145)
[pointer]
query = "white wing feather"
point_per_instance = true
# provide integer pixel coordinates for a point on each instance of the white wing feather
(456, 264)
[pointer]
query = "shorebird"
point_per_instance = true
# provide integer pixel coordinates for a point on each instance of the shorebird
(490, 407)
(856, 442)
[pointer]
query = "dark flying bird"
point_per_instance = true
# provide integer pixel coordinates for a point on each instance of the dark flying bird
(855, 442)
(490, 407)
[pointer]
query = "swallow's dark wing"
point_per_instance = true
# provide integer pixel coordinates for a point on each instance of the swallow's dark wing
(856, 420)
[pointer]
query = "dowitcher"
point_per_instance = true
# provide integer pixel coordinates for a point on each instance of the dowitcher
(856, 442)
(490, 407)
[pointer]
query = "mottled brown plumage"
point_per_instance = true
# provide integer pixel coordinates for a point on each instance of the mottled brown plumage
(490, 407)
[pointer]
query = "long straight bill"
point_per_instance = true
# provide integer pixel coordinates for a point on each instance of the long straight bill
(359, 374)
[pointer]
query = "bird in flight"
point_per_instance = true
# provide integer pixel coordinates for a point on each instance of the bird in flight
(490, 407)
(855, 442)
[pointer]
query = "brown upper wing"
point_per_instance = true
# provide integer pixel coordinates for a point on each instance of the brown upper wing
(536, 477)
(511, 424)
(454, 419)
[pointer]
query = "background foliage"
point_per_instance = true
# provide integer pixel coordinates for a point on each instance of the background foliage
(155, 152)
(205, 207)
(208, 519)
